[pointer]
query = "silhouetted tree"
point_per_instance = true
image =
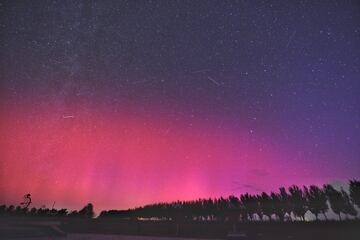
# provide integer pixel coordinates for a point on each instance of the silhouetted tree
(348, 208)
(10, 210)
(335, 198)
(249, 204)
(316, 200)
(209, 207)
(277, 205)
(266, 205)
(18, 211)
(233, 209)
(62, 212)
(355, 192)
(73, 214)
(298, 203)
(87, 211)
(2, 209)
(33, 212)
(285, 202)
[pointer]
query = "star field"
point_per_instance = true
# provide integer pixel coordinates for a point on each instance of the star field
(128, 102)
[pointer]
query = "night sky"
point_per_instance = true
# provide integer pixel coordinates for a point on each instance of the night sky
(124, 103)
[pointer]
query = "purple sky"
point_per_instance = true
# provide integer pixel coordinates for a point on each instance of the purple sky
(123, 103)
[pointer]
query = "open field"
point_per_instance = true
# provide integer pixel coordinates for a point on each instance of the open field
(79, 236)
(121, 237)
(164, 230)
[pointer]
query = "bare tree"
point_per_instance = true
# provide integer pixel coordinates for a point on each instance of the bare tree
(27, 201)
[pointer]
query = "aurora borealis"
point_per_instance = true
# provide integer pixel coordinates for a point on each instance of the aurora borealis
(124, 103)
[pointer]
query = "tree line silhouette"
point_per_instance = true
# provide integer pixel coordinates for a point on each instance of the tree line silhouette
(284, 205)
(276, 206)
(11, 211)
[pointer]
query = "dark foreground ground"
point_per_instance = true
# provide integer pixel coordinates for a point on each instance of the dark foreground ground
(20, 228)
